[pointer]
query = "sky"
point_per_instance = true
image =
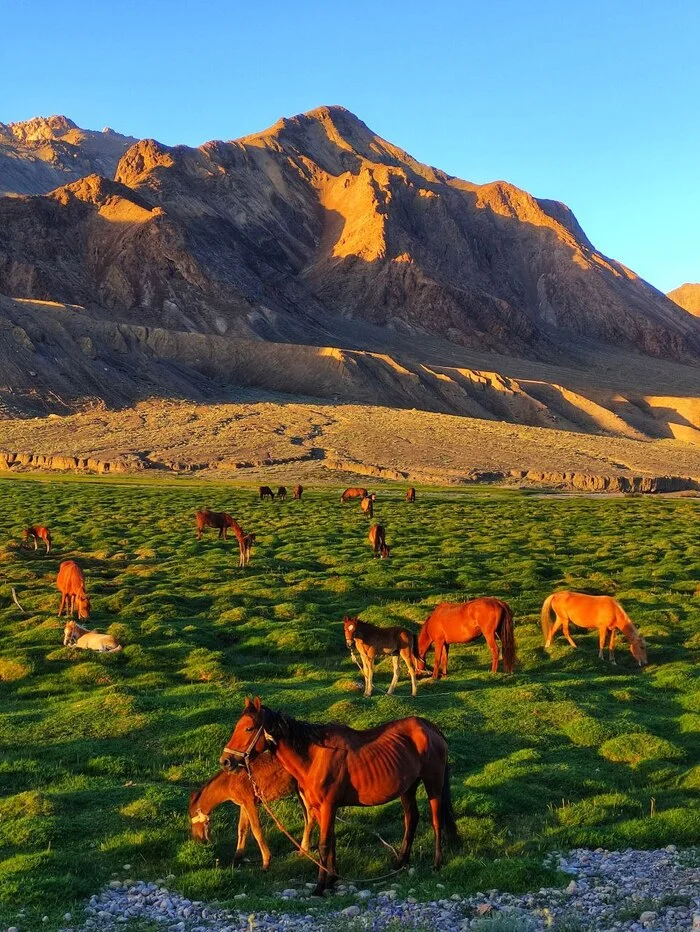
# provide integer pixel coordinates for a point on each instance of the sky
(596, 104)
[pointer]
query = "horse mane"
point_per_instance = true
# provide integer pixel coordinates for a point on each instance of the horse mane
(300, 735)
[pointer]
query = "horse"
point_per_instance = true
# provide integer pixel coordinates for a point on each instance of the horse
(367, 507)
(266, 492)
(281, 493)
(335, 766)
(36, 533)
(216, 519)
(77, 636)
(460, 622)
(298, 491)
(377, 538)
(591, 611)
(70, 582)
(411, 495)
(371, 640)
(235, 786)
(349, 494)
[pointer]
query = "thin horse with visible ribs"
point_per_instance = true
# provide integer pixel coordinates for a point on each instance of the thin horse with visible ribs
(335, 766)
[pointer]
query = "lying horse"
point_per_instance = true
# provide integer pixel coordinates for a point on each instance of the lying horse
(337, 766)
(411, 495)
(77, 636)
(366, 506)
(460, 622)
(282, 493)
(266, 492)
(349, 494)
(37, 533)
(298, 491)
(377, 538)
(235, 786)
(70, 582)
(591, 611)
(371, 640)
(216, 519)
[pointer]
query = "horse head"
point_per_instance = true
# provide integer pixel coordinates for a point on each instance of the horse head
(82, 601)
(638, 648)
(199, 821)
(68, 633)
(384, 551)
(249, 738)
(350, 626)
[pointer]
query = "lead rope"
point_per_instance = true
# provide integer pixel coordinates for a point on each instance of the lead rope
(297, 845)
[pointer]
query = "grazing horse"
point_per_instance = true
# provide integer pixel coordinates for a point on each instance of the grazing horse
(591, 611)
(460, 622)
(235, 786)
(37, 533)
(349, 494)
(336, 766)
(216, 519)
(366, 506)
(71, 584)
(298, 491)
(266, 492)
(371, 640)
(281, 493)
(77, 636)
(411, 495)
(377, 538)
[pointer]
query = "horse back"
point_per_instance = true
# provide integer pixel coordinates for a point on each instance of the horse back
(70, 577)
(587, 611)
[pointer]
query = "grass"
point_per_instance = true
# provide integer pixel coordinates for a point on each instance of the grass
(98, 753)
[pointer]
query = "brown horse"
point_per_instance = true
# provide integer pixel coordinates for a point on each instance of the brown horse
(37, 533)
(591, 611)
(216, 519)
(367, 506)
(71, 584)
(266, 492)
(460, 622)
(349, 494)
(377, 538)
(335, 766)
(371, 640)
(235, 786)
(281, 493)
(411, 495)
(298, 491)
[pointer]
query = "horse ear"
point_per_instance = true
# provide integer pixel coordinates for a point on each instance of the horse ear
(247, 704)
(257, 703)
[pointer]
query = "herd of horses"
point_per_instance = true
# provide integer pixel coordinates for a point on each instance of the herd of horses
(271, 755)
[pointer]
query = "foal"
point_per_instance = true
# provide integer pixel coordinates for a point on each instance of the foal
(235, 786)
(75, 635)
(371, 640)
(377, 538)
(37, 533)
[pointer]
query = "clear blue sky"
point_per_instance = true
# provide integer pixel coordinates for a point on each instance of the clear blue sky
(596, 103)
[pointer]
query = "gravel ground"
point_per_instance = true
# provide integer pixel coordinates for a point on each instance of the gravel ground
(630, 891)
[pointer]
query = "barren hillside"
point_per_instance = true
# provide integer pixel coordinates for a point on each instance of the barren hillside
(688, 297)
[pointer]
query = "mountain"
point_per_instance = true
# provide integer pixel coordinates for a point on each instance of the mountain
(39, 155)
(688, 297)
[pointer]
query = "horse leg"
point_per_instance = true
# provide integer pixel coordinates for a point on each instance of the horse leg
(36, 545)
(493, 647)
(558, 622)
(445, 658)
(243, 826)
(410, 666)
(395, 677)
(410, 821)
(259, 835)
(565, 627)
(63, 602)
(436, 819)
(326, 818)
(369, 661)
(308, 824)
(438, 647)
(602, 635)
(611, 646)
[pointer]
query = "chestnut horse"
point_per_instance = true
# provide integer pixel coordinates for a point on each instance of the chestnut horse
(37, 533)
(591, 611)
(216, 519)
(411, 495)
(371, 640)
(366, 506)
(335, 766)
(235, 786)
(298, 491)
(77, 636)
(460, 622)
(71, 584)
(377, 538)
(349, 494)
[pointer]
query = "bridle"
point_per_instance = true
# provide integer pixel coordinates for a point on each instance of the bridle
(243, 757)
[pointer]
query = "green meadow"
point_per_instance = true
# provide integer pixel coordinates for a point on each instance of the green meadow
(98, 753)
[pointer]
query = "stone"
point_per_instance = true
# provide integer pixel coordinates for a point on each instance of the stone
(572, 887)
(350, 911)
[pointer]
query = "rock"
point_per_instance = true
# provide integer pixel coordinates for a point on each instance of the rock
(290, 893)
(350, 911)
(648, 916)
(363, 894)
(483, 909)
(572, 888)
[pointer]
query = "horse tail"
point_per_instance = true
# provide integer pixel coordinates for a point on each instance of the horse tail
(545, 619)
(449, 821)
(505, 633)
